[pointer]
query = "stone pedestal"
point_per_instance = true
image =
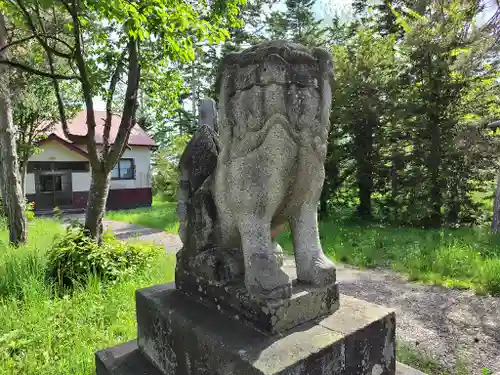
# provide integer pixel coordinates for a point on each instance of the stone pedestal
(275, 316)
(178, 335)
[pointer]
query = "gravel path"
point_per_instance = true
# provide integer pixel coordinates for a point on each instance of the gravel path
(447, 324)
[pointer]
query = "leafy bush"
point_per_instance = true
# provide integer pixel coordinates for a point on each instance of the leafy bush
(29, 210)
(75, 256)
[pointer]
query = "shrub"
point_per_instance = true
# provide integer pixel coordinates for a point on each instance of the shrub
(29, 210)
(75, 256)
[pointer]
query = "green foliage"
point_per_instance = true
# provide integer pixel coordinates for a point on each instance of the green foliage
(34, 106)
(44, 332)
(75, 257)
(297, 23)
(412, 95)
(166, 172)
(101, 42)
(29, 211)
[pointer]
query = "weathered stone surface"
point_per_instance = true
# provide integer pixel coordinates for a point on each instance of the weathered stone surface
(182, 336)
(138, 364)
(275, 101)
(273, 121)
(124, 359)
(196, 209)
(271, 316)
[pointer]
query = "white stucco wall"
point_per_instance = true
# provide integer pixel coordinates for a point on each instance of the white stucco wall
(54, 151)
(142, 160)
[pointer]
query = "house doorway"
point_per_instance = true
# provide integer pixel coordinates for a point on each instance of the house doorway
(53, 189)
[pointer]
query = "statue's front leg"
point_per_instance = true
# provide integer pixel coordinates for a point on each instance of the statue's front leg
(313, 266)
(264, 277)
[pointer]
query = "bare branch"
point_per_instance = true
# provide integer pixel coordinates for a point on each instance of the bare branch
(109, 101)
(60, 104)
(68, 46)
(37, 72)
(129, 106)
(16, 42)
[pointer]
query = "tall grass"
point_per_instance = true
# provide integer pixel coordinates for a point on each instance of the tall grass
(25, 264)
(42, 332)
(461, 258)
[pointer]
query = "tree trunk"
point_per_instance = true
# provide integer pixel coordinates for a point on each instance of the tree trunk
(495, 223)
(323, 202)
(96, 204)
(331, 181)
(434, 166)
(11, 183)
(364, 160)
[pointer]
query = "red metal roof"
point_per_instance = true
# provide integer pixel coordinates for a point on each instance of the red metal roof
(78, 126)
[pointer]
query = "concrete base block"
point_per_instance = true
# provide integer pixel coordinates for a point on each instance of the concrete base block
(127, 359)
(124, 359)
(182, 336)
(307, 302)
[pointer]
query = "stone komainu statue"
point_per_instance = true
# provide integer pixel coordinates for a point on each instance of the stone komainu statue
(263, 168)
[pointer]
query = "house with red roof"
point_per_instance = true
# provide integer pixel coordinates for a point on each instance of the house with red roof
(59, 175)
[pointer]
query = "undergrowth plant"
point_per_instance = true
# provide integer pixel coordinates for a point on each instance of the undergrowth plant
(75, 256)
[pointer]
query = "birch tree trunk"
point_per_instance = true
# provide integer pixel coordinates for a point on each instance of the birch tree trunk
(10, 181)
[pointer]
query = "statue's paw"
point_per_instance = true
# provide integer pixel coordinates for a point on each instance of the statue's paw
(265, 279)
(321, 271)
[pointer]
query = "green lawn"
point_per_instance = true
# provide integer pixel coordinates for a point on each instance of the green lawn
(461, 258)
(44, 334)
(161, 215)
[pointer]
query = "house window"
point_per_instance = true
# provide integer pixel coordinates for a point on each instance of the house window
(124, 170)
(50, 183)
